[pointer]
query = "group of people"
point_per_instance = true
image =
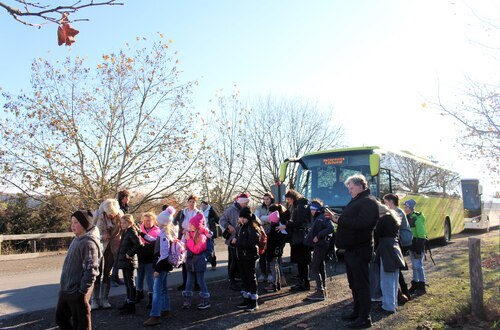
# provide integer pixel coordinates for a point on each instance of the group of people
(374, 235)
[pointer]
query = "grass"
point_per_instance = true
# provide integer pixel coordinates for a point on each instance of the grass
(448, 303)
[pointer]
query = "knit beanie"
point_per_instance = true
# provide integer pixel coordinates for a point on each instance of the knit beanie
(316, 206)
(84, 218)
(410, 204)
(197, 221)
(274, 217)
(165, 217)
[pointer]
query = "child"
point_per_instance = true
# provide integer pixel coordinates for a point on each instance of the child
(319, 239)
(247, 252)
(161, 297)
(127, 260)
(275, 243)
(149, 232)
(196, 262)
(79, 271)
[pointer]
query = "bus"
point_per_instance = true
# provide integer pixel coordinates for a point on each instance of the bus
(436, 189)
(479, 213)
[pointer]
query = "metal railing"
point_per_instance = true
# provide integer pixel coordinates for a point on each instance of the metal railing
(33, 238)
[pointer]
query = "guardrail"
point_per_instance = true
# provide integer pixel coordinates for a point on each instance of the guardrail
(33, 238)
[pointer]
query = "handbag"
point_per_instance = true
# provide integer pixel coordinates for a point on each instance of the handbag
(298, 236)
(226, 233)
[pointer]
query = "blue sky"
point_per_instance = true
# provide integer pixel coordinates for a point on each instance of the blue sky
(373, 63)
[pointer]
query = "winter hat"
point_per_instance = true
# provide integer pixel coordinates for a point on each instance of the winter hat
(198, 220)
(165, 217)
(84, 218)
(243, 198)
(274, 217)
(247, 214)
(410, 204)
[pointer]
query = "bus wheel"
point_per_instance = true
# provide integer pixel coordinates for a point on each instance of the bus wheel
(447, 232)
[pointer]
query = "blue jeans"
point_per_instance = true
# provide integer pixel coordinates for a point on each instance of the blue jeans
(417, 264)
(161, 297)
(145, 272)
(200, 278)
(389, 282)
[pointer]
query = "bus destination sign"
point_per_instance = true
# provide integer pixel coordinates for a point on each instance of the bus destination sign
(333, 161)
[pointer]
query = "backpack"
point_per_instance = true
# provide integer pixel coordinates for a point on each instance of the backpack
(262, 241)
(177, 253)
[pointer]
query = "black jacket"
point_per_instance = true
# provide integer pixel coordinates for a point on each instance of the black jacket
(355, 225)
(322, 228)
(247, 242)
(129, 245)
(275, 243)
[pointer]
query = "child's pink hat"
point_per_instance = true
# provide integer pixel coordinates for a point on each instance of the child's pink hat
(274, 217)
(198, 220)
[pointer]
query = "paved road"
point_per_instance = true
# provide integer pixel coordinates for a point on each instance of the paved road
(37, 289)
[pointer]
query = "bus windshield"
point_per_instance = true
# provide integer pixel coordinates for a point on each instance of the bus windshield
(323, 175)
(471, 197)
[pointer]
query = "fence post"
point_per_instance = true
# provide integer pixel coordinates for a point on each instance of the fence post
(476, 276)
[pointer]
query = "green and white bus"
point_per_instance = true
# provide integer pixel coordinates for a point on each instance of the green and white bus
(479, 212)
(436, 189)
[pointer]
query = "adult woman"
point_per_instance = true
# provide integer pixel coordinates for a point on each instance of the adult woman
(107, 219)
(388, 255)
(297, 226)
(149, 232)
(262, 213)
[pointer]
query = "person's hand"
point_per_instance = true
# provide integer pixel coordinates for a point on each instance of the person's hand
(156, 274)
(315, 239)
(233, 241)
(129, 257)
(280, 228)
(231, 229)
(335, 218)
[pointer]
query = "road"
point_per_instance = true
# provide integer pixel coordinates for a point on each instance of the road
(29, 285)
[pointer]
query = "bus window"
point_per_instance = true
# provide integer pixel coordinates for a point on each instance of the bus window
(385, 181)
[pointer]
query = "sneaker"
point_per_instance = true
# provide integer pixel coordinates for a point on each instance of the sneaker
(204, 305)
(94, 305)
(377, 299)
(270, 278)
(261, 278)
(106, 304)
(317, 296)
(243, 304)
(252, 306)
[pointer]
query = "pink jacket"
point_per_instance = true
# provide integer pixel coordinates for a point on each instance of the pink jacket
(150, 236)
(196, 248)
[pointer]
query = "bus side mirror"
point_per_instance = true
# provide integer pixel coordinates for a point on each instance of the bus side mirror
(374, 164)
(480, 189)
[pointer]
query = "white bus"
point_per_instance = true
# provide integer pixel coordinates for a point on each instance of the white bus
(479, 213)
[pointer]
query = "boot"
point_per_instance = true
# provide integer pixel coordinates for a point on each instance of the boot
(404, 290)
(205, 300)
(402, 298)
(104, 297)
(129, 309)
(319, 295)
(413, 288)
(244, 303)
(140, 296)
(271, 288)
(150, 300)
(187, 299)
(152, 321)
(252, 305)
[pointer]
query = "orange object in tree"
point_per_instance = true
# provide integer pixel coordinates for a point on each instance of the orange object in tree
(65, 32)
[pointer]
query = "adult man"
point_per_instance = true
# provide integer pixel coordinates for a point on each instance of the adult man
(229, 222)
(417, 251)
(355, 236)
(78, 273)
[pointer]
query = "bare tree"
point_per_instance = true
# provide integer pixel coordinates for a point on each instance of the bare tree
(225, 170)
(479, 117)
(38, 13)
(284, 128)
(90, 132)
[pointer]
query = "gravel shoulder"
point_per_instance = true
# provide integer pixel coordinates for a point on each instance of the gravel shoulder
(283, 309)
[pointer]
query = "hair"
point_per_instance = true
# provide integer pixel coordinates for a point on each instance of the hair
(150, 215)
(317, 200)
(383, 210)
(110, 206)
(393, 198)
(204, 202)
(192, 196)
(129, 218)
(164, 207)
(358, 180)
(293, 194)
(122, 194)
(271, 196)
